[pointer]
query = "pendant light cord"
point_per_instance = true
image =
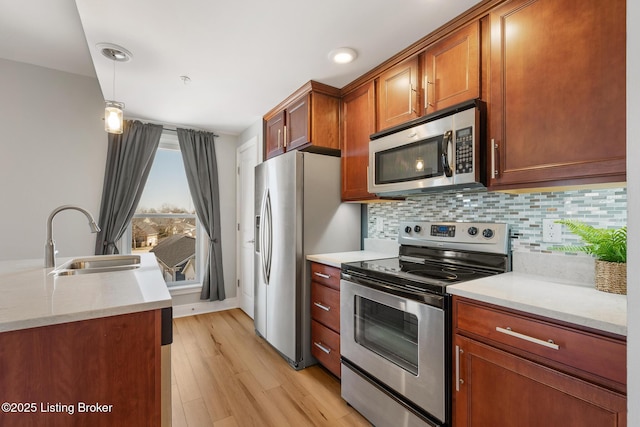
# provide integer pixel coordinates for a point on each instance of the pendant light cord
(114, 80)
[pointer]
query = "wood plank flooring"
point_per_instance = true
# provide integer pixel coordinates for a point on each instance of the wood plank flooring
(224, 375)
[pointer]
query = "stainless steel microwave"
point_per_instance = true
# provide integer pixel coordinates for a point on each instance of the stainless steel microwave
(435, 152)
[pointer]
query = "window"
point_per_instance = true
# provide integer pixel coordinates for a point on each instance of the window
(165, 222)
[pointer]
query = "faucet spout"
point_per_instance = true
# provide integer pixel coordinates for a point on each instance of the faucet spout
(50, 245)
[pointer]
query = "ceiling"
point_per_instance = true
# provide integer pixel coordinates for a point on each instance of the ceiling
(243, 56)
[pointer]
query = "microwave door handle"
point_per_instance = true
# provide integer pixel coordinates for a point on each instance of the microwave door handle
(446, 142)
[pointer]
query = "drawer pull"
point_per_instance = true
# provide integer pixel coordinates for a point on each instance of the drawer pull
(508, 331)
(324, 307)
(324, 276)
(321, 347)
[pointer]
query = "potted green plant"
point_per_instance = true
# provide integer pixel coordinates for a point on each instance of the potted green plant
(609, 247)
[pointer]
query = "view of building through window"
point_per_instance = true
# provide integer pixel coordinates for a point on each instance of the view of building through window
(165, 222)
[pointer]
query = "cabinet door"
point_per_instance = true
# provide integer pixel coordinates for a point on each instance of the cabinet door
(358, 123)
(298, 114)
(495, 388)
(274, 136)
(557, 97)
(451, 70)
(398, 94)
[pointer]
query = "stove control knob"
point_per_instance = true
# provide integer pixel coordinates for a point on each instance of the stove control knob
(487, 233)
(472, 231)
(417, 229)
(407, 229)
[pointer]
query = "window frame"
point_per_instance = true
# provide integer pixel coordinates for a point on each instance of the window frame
(169, 141)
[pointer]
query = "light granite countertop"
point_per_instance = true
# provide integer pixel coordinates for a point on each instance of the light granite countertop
(580, 305)
(31, 297)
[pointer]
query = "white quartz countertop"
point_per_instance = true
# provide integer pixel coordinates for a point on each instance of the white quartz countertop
(31, 297)
(580, 305)
(337, 258)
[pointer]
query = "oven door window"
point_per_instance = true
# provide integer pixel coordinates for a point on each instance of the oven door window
(410, 162)
(388, 332)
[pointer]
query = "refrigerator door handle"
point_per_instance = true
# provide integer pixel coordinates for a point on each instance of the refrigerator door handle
(266, 244)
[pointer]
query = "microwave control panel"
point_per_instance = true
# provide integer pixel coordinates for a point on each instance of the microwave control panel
(464, 150)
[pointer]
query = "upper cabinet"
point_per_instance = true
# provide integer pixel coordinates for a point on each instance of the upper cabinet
(358, 122)
(306, 120)
(397, 90)
(557, 93)
(451, 70)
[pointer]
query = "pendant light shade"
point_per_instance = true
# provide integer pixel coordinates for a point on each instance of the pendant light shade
(113, 111)
(113, 118)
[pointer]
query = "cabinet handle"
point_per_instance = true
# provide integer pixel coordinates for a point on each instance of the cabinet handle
(459, 380)
(494, 149)
(427, 104)
(324, 276)
(321, 347)
(319, 305)
(285, 137)
(548, 343)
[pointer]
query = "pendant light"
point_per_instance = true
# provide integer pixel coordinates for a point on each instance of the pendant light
(113, 111)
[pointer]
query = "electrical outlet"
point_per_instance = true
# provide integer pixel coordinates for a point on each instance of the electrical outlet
(551, 231)
(379, 224)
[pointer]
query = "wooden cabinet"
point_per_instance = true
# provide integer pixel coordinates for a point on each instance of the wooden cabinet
(358, 123)
(274, 135)
(325, 316)
(306, 120)
(557, 93)
(397, 93)
(451, 70)
(514, 369)
(112, 363)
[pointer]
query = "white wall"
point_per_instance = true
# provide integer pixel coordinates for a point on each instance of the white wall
(226, 157)
(633, 211)
(253, 130)
(52, 152)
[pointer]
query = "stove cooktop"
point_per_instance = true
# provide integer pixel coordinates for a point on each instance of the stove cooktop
(434, 255)
(430, 277)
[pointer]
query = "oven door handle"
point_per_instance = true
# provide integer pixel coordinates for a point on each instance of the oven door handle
(426, 298)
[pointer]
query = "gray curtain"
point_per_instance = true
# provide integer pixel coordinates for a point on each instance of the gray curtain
(129, 159)
(199, 156)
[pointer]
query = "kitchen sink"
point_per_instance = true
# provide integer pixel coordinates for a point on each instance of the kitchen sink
(98, 264)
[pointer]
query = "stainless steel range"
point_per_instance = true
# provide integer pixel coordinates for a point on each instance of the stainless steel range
(395, 319)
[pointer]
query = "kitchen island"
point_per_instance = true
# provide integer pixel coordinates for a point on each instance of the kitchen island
(83, 349)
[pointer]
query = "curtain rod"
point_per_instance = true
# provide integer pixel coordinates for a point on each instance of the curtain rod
(174, 130)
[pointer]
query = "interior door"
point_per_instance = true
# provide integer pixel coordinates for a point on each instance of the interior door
(247, 159)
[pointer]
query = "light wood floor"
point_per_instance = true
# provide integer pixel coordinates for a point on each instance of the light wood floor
(224, 375)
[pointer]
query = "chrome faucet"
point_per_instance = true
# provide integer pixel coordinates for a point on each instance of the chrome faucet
(50, 245)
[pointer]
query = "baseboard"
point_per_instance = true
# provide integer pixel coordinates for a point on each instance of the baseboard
(203, 307)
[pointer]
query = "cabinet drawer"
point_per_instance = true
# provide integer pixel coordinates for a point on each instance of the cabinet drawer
(325, 306)
(326, 275)
(325, 346)
(594, 354)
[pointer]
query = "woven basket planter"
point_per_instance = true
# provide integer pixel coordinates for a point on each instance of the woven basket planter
(611, 277)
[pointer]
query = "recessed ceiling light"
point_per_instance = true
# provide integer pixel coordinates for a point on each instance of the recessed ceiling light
(114, 52)
(343, 55)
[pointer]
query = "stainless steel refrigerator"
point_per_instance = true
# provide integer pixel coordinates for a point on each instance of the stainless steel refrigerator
(298, 212)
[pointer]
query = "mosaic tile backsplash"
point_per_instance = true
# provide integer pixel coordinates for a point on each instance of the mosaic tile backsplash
(606, 208)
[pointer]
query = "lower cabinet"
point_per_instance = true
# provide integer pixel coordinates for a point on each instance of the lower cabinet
(525, 376)
(96, 372)
(325, 316)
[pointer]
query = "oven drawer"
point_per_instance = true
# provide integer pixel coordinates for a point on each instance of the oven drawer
(325, 275)
(325, 306)
(325, 346)
(560, 344)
